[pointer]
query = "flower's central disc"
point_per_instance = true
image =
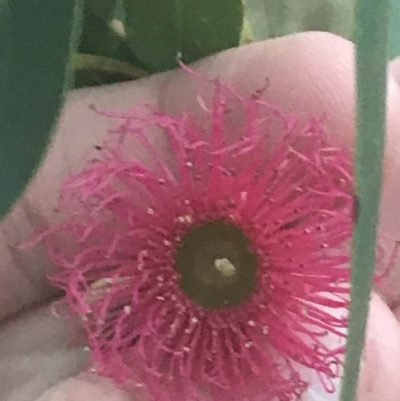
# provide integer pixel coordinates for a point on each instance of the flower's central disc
(216, 265)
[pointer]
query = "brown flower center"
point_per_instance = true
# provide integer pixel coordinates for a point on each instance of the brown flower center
(216, 265)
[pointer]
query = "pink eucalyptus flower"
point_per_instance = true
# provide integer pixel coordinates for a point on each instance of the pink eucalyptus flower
(220, 271)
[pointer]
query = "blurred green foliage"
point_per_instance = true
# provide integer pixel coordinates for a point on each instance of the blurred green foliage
(274, 18)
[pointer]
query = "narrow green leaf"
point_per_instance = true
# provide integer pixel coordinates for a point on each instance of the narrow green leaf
(157, 30)
(36, 39)
(372, 18)
(84, 62)
(394, 43)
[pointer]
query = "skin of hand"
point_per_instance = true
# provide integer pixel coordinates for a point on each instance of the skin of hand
(41, 355)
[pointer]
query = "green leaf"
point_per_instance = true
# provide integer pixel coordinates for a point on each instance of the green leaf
(159, 30)
(36, 39)
(372, 19)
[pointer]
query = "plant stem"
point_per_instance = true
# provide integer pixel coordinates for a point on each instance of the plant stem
(372, 21)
